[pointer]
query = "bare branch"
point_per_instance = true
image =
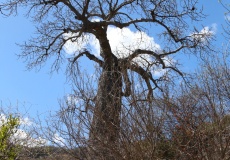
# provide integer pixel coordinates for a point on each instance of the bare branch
(90, 56)
(147, 77)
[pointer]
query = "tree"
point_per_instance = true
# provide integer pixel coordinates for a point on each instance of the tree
(200, 113)
(62, 21)
(8, 150)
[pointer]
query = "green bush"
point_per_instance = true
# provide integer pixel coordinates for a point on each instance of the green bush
(8, 150)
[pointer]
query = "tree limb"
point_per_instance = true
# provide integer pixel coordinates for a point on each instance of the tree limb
(147, 77)
(127, 84)
(90, 56)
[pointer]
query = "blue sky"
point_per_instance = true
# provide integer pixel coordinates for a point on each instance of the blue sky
(39, 91)
(35, 91)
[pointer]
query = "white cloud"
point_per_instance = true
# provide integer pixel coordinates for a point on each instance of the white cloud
(25, 121)
(22, 121)
(23, 138)
(206, 33)
(72, 99)
(76, 44)
(123, 42)
(158, 71)
(58, 140)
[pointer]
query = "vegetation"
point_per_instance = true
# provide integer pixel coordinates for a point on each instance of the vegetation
(125, 111)
(8, 149)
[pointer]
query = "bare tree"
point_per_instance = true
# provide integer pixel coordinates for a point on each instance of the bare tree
(180, 123)
(199, 114)
(62, 21)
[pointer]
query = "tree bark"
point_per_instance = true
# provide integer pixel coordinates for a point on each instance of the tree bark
(105, 127)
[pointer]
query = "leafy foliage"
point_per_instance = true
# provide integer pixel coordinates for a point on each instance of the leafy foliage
(8, 150)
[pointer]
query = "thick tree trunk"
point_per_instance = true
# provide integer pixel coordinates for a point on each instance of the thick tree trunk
(105, 126)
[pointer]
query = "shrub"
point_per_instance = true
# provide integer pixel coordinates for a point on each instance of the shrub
(8, 149)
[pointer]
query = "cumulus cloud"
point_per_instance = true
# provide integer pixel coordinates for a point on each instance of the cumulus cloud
(122, 41)
(75, 44)
(23, 138)
(206, 33)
